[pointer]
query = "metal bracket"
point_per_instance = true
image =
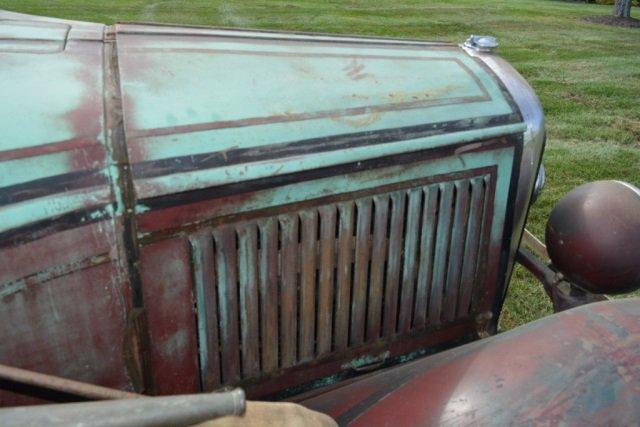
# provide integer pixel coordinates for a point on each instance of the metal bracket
(563, 294)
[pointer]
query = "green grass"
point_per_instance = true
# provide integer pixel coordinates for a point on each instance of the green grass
(587, 75)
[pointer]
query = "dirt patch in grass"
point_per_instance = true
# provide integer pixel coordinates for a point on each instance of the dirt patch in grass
(612, 20)
(629, 125)
(580, 99)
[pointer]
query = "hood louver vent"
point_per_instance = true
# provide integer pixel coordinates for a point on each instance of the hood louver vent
(284, 290)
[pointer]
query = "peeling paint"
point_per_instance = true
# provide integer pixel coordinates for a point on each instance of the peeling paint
(366, 359)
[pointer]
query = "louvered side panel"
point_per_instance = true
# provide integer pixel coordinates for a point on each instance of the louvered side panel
(279, 291)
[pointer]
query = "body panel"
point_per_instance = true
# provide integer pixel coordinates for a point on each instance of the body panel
(195, 106)
(230, 240)
(162, 152)
(574, 368)
(65, 294)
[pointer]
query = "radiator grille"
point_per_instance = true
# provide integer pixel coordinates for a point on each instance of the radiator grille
(279, 291)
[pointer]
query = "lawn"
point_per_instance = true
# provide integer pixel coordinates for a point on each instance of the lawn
(587, 75)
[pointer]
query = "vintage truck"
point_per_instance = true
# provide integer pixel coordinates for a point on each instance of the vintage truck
(312, 218)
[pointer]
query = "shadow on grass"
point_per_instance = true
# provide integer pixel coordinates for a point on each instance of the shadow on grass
(613, 21)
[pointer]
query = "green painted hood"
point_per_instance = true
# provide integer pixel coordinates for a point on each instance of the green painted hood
(191, 95)
(206, 107)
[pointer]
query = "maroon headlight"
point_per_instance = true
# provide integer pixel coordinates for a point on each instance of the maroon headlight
(593, 237)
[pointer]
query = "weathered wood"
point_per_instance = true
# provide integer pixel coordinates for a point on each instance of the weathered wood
(249, 321)
(471, 248)
(361, 273)
(289, 289)
(458, 234)
(442, 247)
(427, 241)
(309, 235)
(482, 296)
(378, 261)
(226, 265)
(393, 263)
(269, 293)
(411, 238)
(343, 290)
(206, 308)
(325, 285)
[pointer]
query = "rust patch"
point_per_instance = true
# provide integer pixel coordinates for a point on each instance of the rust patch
(72, 326)
(14, 286)
(355, 70)
(400, 96)
(85, 118)
(134, 348)
(359, 121)
(356, 96)
(577, 98)
(92, 157)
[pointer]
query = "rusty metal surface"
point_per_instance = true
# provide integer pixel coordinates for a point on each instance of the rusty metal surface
(225, 263)
(563, 294)
(578, 367)
(275, 209)
(50, 382)
(593, 236)
(184, 410)
(69, 322)
(533, 255)
(66, 308)
(65, 297)
(277, 166)
(168, 296)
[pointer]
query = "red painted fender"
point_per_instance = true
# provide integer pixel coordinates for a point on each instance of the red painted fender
(579, 367)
